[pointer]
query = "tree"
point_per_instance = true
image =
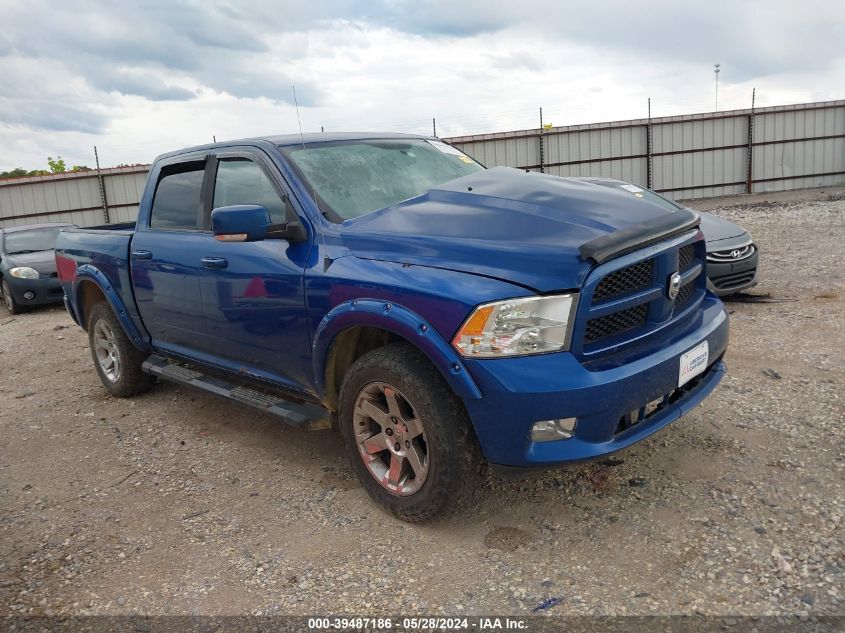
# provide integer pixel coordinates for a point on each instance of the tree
(56, 166)
(17, 172)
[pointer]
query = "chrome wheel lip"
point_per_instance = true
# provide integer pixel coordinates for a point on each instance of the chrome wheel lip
(390, 438)
(105, 349)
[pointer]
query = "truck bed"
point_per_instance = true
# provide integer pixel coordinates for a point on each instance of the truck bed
(106, 249)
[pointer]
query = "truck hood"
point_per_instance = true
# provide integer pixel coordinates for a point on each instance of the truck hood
(521, 227)
(42, 261)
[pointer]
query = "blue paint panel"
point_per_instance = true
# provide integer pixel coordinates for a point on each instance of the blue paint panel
(272, 310)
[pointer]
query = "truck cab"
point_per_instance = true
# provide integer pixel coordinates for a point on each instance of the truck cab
(439, 314)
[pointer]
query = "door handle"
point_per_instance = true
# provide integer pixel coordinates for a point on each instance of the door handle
(142, 255)
(214, 262)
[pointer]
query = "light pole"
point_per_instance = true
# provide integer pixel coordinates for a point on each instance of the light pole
(716, 68)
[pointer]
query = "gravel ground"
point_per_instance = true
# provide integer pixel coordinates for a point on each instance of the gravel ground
(180, 503)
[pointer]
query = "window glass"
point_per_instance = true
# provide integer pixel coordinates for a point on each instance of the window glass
(241, 181)
(178, 200)
(352, 178)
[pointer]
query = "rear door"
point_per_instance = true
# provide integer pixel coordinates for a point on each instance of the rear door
(253, 296)
(165, 259)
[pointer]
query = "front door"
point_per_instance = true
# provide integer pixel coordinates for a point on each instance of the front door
(253, 295)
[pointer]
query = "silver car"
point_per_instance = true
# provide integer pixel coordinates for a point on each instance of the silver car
(731, 253)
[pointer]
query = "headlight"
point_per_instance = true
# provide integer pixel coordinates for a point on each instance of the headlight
(517, 327)
(24, 272)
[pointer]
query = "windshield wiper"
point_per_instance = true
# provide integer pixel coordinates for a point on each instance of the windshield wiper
(24, 252)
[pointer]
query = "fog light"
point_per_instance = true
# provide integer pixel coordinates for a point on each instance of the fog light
(550, 430)
(29, 295)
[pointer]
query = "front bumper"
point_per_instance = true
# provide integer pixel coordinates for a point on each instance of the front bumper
(521, 391)
(33, 292)
(727, 278)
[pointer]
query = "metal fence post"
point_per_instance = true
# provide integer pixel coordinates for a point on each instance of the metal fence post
(749, 168)
(542, 166)
(648, 168)
(102, 188)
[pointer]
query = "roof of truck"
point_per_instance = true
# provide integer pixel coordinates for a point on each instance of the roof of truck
(287, 140)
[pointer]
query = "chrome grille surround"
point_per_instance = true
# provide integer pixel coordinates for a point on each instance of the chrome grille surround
(733, 254)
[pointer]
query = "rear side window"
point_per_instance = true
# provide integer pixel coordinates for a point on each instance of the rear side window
(241, 181)
(178, 199)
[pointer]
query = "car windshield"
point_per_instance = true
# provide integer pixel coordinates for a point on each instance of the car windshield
(31, 240)
(639, 192)
(353, 178)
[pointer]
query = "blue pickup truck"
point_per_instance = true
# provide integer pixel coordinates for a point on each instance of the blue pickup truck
(439, 314)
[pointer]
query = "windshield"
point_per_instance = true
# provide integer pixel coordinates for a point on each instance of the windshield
(31, 241)
(353, 178)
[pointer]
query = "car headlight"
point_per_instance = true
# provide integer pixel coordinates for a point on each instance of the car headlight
(24, 272)
(517, 327)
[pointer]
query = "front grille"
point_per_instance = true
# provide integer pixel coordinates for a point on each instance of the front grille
(686, 255)
(733, 280)
(616, 323)
(684, 295)
(624, 280)
(732, 255)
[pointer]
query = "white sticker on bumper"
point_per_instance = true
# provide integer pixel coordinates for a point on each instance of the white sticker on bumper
(693, 363)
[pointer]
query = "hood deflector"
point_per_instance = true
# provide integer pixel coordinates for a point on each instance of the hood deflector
(639, 236)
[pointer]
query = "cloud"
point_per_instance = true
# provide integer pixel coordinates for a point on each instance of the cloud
(52, 116)
(143, 77)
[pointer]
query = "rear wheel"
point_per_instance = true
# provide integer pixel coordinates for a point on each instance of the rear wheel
(117, 361)
(407, 434)
(9, 299)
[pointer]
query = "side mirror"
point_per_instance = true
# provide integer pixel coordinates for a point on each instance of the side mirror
(240, 223)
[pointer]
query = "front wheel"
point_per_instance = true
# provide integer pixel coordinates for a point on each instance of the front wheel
(117, 361)
(9, 299)
(407, 434)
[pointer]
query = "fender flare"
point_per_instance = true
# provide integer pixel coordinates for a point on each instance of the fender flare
(89, 273)
(401, 321)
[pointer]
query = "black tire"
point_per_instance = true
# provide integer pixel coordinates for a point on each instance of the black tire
(9, 299)
(130, 380)
(453, 456)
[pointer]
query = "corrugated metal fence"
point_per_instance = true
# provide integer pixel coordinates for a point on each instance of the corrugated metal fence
(73, 197)
(691, 156)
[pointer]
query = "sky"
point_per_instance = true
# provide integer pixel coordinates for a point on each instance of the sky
(140, 78)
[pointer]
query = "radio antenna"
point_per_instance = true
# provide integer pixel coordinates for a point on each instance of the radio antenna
(298, 120)
(327, 261)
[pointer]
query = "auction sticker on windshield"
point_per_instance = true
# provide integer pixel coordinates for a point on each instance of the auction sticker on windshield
(446, 149)
(693, 363)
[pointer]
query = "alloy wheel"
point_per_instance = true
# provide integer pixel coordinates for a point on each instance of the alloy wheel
(105, 346)
(391, 439)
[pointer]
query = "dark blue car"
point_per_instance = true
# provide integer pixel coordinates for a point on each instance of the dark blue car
(438, 313)
(28, 266)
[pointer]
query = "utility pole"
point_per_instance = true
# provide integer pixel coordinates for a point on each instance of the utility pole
(716, 69)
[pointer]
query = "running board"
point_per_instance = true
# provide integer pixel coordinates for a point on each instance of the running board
(305, 416)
